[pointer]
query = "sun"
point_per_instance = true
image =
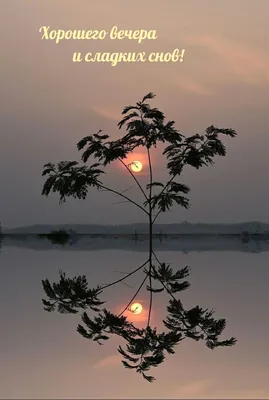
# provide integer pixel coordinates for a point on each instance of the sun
(136, 308)
(136, 166)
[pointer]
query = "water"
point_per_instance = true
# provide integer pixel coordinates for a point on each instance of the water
(42, 355)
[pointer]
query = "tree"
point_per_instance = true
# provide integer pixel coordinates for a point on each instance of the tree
(57, 237)
(146, 127)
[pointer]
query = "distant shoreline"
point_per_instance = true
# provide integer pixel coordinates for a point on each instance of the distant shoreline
(253, 236)
(183, 228)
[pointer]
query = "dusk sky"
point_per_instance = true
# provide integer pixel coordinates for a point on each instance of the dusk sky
(48, 103)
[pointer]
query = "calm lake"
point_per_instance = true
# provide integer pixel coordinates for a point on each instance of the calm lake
(42, 355)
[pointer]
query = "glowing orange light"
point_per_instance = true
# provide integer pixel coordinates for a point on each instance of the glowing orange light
(136, 166)
(136, 308)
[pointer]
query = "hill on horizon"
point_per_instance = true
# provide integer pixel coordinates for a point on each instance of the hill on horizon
(142, 228)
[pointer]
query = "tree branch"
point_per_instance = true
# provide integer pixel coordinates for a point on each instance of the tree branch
(128, 169)
(134, 296)
(150, 234)
(173, 176)
(125, 277)
(125, 197)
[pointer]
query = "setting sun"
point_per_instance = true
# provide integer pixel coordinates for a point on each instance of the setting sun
(136, 308)
(136, 166)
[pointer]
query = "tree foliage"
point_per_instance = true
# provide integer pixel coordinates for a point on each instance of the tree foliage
(145, 126)
(60, 237)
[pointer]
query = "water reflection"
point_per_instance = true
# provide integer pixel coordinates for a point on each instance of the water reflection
(46, 357)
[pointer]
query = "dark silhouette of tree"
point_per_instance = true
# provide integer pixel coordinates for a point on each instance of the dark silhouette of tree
(60, 237)
(146, 127)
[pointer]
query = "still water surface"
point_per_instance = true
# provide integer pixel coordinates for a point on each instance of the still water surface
(42, 355)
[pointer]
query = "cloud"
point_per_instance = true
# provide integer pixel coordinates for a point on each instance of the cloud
(193, 389)
(108, 114)
(251, 393)
(217, 390)
(108, 362)
(193, 87)
(248, 64)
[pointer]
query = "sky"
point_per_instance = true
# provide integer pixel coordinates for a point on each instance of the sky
(49, 103)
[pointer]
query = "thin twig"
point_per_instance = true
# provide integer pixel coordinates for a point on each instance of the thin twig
(136, 293)
(125, 277)
(128, 169)
(120, 202)
(126, 284)
(122, 272)
(126, 190)
(125, 197)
